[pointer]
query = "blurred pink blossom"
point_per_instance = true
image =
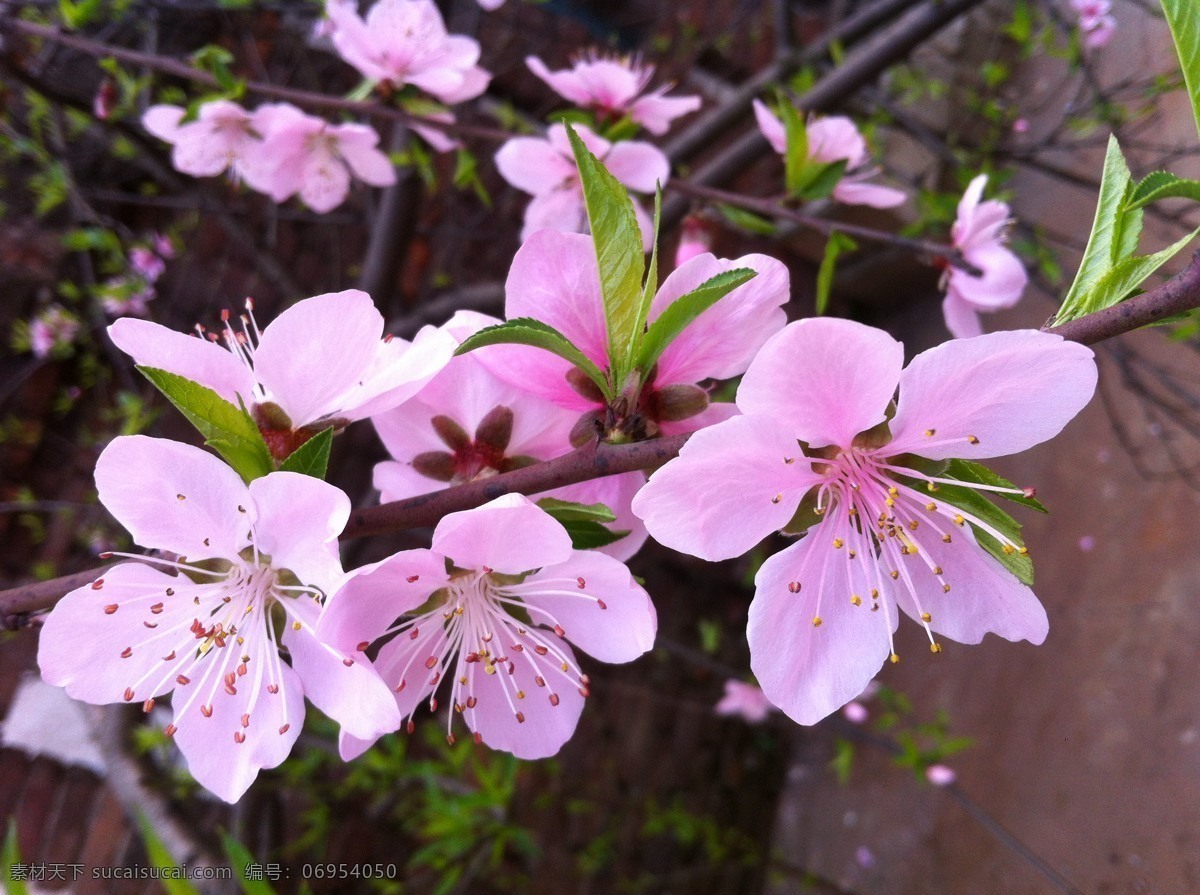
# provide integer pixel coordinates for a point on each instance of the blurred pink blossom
(695, 239)
(855, 712)
(1096, 22)
(545, 168)
(940, 775)
(979, 234)
(615, 87)
(217, 139)
(745, 701)
(53, 328)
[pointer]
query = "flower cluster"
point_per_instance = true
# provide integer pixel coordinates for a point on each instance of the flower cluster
(1096, 21)
(130, 294)
(52, 331)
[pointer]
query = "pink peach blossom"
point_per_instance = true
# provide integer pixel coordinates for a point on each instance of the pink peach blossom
(554, 278)
(322, 362)
(816, 421)
(260, 559)
(498, 626)
(219, 138)
(616, 87)
(745, 701)
(52, 329)
(545, 168)
(834, 139)
(979, 234)
(405, 42)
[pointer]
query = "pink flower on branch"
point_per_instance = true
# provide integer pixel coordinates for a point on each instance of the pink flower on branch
(495, 628)
(209, 628)
(1096, 22)
(467, 425)
(616, 87)
(545, 168)
(979, 235)
(405, 42)
(888, 529)
(322, 362)
(745, 701)
(222, 135)
(834, 139)
(554, 278)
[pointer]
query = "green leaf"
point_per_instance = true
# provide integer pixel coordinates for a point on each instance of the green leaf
(677, 315)
(312, 457)
(795, 157)
(1125, 277)
(229, 430)
(1098, 257)
(619, 255)
(969, 471)
(1163, 185)
(837, 244)
(650, 287)
(527, 331)
(10, 855)
(971, 501)
(1127, 229)
(590, 535)
(240, 859)
(1183, 17)
(748, 220)
(161, 858)
(818, 179)
(570, 511)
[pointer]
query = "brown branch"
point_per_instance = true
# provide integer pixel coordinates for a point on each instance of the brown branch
(304, 98)
(1178, 294)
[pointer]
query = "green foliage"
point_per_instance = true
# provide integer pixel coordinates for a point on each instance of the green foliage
(585, 523)
(970, 471)
(215, 61)
(527, 331)
(466, 176)
(837, 244)
(1010, 552)
(748, 220)
(161, 858)
(1163, 185)
(619, 256)
(312, 457)
(681, 312)
(239, 859)
(229, 430)
(1183, 17)
(9, 855)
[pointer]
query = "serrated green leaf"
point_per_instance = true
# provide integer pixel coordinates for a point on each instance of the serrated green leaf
(312, 457)
(161, 858)
(1183, 17)
(1127, 229)
(837, 244)
(747, 220)
(571, 511)
(970, 471)
(229, 430)
(1098, 256)
(795, 156)
(622, 263)
(677, 315)
(1126, 276)
(972, 502)
(818, 179)
(527, 331)
(9, 856)
(591, 535)
(1163, 185)
(240, 859)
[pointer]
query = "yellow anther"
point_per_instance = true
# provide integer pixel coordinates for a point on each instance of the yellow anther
(931, 487)
(489, 668)
(937, 570)
(777, 498)
(296, 626)
(894, 573)
(892, 491)
(1009, 549)
(945, 588)
(929, 433)
(935, 647)
(958, 520)
(912, 526)
(817, 621)
(890, 502)
(926, 617)
(856, 600)
(853, 554)
(874, 594)
(894, 658)
(946, 538)
(1024, 551)
(972, 439)
(931, 506)
(837, 543)
(853, 511)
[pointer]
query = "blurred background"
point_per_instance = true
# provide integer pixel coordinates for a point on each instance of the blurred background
(1076, 764)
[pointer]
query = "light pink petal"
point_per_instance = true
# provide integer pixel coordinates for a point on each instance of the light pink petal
(509, 534)
(805, 669)
(772, 128)
(961, 318)
(202, 151)
(398, 370)
(717, 412)
(655, 113)
(473, 82)
(326, 182)
(564, 82)
(97, 655)
(975, 394)
(540, 373)
(353, 41)
(214, 756)
(983, 598)
(836, 138)
(533, 165)
(162, 121)
(827, 379)
(560, 209)
(964, 220)
(722, 341)
(200, 360)
(545, 726)
(639, 166)
(176, 497)
(858, 193)
(316, 350)
(571, 594)
(616, 492)
(357, 145)
(1001, 285)
(730, 486)
(352, 694)
(373, 597)
(299, 520)
(395, 480)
